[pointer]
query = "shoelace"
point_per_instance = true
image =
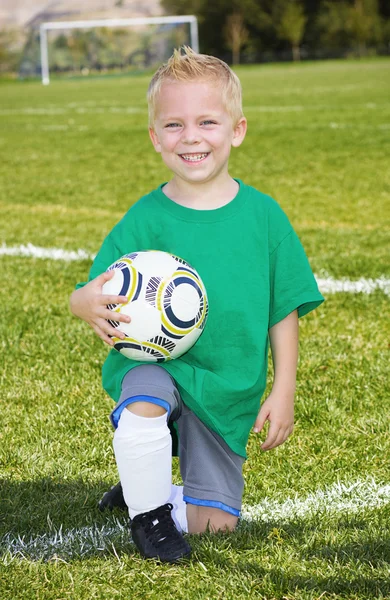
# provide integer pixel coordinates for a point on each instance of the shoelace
(164, 531)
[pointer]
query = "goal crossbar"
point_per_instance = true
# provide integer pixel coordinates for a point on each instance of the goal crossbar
(45, 27)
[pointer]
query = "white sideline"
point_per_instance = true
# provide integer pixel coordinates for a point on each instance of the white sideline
(31, 251)
(327, 285)
(337, 499)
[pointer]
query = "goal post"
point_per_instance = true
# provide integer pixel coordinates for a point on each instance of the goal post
(89, 24)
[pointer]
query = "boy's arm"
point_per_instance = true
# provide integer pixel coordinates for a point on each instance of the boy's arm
(278, 408)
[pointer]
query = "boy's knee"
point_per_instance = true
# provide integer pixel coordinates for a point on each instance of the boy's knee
(206, 518)
(146, 409)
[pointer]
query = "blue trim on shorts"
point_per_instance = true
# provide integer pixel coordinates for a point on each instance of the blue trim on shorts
(213, 504)
(116, 413)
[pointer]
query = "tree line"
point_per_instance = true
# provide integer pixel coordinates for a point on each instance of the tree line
(261, 30)
(248, 31)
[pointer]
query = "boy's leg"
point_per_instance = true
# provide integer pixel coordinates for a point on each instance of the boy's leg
(143, 451)
(212, 475)
(113, 498)
(202, 518)
(199, 517)
(202, 468)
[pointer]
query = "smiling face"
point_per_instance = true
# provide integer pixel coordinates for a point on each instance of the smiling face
(194, 132)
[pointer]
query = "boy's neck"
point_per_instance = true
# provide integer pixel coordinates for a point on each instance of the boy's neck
(208, 195)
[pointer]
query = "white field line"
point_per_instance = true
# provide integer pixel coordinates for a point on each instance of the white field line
(337, 499)
(96, 108)
(327, 285)
(81, 110)
(31, 251)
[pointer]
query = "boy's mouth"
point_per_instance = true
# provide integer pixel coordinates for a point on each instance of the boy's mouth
(194, 157)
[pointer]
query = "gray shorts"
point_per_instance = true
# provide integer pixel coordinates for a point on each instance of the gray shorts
(211, 471)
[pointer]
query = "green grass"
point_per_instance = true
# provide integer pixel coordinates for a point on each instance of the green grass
(74, 156)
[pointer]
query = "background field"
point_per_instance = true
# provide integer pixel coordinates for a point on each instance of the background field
(74, 156)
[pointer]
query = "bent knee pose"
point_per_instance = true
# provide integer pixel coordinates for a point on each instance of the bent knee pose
(258, 282)
(212, 479)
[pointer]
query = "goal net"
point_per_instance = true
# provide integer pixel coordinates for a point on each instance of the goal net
(112, 45)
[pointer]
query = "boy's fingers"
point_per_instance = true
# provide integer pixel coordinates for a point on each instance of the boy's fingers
(112, 332)
(272, 444)
(108, 299)
(103, 335)
(109, 330)
(101, 279)
(259, 423)
(106, 276)
(114, 316)
(103, 328)
(271, 438)
(276, 441)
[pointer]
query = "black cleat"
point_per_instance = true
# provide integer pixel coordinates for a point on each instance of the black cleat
(113, 499)
(156, 536)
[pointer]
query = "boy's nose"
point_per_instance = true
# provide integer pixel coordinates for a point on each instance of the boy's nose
(191, 135)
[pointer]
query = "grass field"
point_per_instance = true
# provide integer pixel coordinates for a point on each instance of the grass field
(316, 523)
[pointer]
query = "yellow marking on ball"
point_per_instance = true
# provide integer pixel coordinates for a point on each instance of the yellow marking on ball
(160, 349)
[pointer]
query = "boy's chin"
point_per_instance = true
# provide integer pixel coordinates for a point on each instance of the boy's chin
(199, 176)
(196, 179)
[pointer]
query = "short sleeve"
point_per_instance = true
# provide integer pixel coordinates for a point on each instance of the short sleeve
(292, 283)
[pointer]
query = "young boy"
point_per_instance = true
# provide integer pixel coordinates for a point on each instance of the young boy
(258, 282)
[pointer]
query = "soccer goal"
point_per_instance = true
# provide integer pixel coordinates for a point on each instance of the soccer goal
(100, 47)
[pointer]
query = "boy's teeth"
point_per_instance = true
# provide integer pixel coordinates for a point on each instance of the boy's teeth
(194, 157)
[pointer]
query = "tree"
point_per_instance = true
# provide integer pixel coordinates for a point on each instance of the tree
(346, 24)
(212, 16)
(272, 24)
(291, 26)
(363, 23)
(10, 53)
(236, 35)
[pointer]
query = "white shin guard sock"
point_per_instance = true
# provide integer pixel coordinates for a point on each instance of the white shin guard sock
(143, 452)
(179, 512)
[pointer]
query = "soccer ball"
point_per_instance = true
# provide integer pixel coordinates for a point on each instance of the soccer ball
(167, 303)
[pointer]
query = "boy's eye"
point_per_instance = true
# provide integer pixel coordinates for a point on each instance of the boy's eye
(172, 125)
(208, 122)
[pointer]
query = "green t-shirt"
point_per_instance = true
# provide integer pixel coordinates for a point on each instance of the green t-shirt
(255, 272)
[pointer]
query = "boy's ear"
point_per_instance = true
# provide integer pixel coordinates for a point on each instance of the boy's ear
(239, 132)
(155, 141)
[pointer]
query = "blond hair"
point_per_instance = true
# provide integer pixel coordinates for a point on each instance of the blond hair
(192, 66)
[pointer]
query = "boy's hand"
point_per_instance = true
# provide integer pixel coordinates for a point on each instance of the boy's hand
(88, 303)
(278, 409)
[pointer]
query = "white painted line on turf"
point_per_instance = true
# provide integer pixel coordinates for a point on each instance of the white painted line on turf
(29, 250)
(81, 110)
(55, 127)
(32, 111)
(274, 108)
(92, 107)
(65, 544)
(337, 499)
(327, 285)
